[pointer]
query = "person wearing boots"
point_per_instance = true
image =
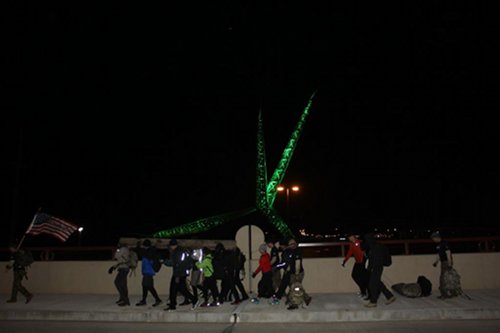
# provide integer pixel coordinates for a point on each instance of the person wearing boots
(378, 255)
(18, 265)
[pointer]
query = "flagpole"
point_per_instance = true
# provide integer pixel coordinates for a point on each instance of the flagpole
(29, 228)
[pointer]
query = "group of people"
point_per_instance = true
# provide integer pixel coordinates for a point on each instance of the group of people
(368, 277)
(208, 269)
(280, 266)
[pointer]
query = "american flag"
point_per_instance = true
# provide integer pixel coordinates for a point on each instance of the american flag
(46, 224)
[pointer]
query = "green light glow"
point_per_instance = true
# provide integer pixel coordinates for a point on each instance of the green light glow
(286, 157)
(202, 224)
(265, 192)
(261, 171)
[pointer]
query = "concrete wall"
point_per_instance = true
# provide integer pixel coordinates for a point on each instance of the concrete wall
(478, 271)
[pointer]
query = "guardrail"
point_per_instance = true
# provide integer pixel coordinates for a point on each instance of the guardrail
(311, 250)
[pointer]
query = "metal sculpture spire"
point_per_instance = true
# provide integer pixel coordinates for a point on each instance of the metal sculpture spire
(286, 157)
(261, 167)
(265, 192)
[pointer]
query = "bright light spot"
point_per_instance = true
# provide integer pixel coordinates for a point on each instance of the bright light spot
(297, 289)
(295, 188)
(280, 189)
(80, 229)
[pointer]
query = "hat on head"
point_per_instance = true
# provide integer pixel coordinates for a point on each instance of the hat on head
(173, 241)
(263, 248)
(436, 234)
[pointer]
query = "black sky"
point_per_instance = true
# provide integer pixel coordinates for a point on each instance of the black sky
(131, 119)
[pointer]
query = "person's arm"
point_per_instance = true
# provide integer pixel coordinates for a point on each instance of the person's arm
(257, 271)
(348, 255)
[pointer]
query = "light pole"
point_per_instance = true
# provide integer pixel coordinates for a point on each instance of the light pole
(287, 189)
(80, 230)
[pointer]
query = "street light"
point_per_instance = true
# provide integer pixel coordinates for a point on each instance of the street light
(287, 189)
(80, 230)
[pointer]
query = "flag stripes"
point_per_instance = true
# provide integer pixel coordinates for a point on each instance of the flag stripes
(46, 224)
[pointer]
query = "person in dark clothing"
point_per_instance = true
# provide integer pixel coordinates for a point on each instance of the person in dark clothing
(224, 271)
(181, 264)
(359, 273)
(122, 256)
(377, 256)
(449, 280)
(291, 263)
(148, 254)
(237, 286)
(275, 259)
(18, 267)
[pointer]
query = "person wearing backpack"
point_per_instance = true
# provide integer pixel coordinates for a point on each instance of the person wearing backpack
(449, 279)
(20, 260)
(122, 266)
(181, 263)
(149, 254)
(378, 257)
(209, 282)
(239, 270)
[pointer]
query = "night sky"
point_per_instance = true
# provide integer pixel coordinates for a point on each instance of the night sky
(132, 119)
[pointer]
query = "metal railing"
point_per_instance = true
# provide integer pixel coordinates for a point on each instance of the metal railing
(310, 250)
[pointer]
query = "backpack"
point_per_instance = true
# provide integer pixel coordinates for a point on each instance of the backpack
(132, 260)
(425, 285)
(187, 264)
(387, 257)
(25, 258)
(156, 263)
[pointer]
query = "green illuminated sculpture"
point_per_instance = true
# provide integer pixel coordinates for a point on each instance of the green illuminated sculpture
(265, 192)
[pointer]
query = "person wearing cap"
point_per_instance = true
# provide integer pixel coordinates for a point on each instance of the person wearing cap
(447, 288)
(359, 273)
(181, 264)
(291, 263)
(148, 253)
(265, 287)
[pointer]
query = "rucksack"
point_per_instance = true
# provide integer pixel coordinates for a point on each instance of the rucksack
(25, 258)
(133, 260)
(187, 264)
(387, 257)
(425, 285)
(156, 263)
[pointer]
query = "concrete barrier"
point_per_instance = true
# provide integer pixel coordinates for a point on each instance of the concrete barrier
(323, 275)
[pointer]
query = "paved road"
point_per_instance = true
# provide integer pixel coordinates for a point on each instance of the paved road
(456, 326)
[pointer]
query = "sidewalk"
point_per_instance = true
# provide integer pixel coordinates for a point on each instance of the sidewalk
(485, 304)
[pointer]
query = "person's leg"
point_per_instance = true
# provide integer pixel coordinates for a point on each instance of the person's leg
(16, 283)
(240, 287)
(153, 291)
(357, 276)
(268, 284)
(374, 284)
(181, 287)
(144, 290)
(121, 285)
(276, 278)
(387, 293)
(173, 292)
(285, 282)
(213, 289)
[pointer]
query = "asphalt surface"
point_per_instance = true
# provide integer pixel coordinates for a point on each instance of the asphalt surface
(455, 326)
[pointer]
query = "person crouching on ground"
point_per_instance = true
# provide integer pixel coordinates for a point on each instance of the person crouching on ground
(265, 287)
